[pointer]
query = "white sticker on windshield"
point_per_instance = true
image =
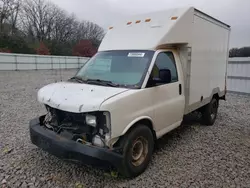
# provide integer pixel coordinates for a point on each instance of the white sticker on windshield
(137, 54)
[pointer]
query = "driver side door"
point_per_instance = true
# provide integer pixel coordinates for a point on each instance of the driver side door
(168, 97)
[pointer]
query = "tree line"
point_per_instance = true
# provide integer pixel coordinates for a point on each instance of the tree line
(41, 27)
(240, 52)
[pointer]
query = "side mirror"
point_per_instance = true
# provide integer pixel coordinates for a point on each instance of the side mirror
(164, 77)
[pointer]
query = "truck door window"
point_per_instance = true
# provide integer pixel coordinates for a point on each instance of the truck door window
(165, 60)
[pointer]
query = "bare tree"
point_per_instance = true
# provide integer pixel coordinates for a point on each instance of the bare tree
(64, 27)
(38, 18)
(89, 30)
(9, 11)
(42, 21)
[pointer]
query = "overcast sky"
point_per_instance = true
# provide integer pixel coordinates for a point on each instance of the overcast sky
(105, 12)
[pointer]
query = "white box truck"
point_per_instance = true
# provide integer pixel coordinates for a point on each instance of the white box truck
(150, 71)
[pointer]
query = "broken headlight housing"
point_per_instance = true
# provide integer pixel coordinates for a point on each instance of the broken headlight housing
(91, 120)
(92, 127)
(103, 128)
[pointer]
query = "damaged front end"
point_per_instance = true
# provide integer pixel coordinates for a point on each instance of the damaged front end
(86, 128)
(76, 136)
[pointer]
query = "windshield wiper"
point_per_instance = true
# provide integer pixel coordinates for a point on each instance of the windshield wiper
(102, 82)
(78, 79)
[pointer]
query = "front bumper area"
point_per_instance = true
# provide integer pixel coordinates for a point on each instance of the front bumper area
(70, 150)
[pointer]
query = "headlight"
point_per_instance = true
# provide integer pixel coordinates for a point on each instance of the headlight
(91, 120)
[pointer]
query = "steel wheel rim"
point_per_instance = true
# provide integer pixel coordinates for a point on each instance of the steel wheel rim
(214, 110)
(139, 151)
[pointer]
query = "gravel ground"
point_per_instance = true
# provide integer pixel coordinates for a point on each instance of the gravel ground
(190, 156)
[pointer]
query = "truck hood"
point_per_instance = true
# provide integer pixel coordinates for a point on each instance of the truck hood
(76, 97)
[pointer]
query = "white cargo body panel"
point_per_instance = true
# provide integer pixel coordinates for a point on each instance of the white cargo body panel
(209, 58)
(201, 40)
(162, 28)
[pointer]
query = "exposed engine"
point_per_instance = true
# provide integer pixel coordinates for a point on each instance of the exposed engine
(87, 128)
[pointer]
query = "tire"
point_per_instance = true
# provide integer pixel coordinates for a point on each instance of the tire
(209, 113)
(132, 164)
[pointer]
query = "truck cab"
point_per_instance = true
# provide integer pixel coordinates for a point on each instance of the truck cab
(137, 88)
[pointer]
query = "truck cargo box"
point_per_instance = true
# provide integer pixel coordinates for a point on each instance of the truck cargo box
(202, 42)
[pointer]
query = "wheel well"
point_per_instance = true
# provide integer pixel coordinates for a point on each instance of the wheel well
(216, 96)
(146, 122)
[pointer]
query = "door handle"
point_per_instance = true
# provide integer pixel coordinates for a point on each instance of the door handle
(180, 89)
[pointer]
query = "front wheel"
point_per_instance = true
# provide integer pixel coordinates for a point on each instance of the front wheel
(210, 111)
(138, 147)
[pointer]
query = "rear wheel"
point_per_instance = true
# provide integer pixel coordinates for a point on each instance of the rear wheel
(209, 112)
(138, 147)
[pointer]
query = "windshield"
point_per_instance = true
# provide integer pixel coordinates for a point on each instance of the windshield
(125, 68)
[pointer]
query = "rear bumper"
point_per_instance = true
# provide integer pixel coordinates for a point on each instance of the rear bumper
(71, 150)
